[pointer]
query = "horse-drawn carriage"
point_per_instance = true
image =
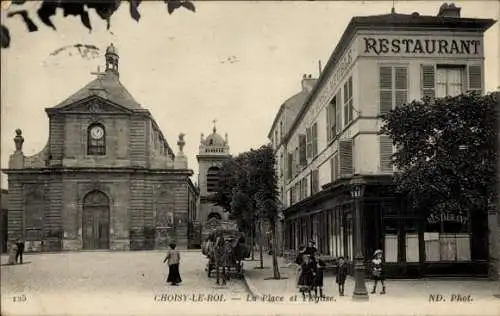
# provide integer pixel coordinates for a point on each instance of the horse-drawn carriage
(225, 249)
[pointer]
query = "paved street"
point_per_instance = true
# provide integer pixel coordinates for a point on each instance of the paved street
(133, 283)
(91, 283)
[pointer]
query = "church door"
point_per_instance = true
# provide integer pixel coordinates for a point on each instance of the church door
(95, 222)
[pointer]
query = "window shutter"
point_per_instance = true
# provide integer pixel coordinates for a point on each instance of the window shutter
(385, 153)
(338, 112)
(315, 139)
(475, 78)
(328, 121)
(385, 83)
(401, 85)
(296, 161)
(302, 150)
(334, 167)
(428, 81)
(289, 166)
(345, 158)
(309, 142)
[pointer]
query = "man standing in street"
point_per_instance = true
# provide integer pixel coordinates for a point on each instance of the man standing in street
(20, 250)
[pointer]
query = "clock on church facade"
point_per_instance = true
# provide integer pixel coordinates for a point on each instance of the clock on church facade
(107, 178)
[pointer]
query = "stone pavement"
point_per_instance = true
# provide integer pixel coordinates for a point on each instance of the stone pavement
(404, 297)
(112, 283)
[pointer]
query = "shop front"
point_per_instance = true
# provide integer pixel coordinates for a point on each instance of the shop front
(415, 243)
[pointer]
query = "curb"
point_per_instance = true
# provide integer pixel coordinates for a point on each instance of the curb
(250, 287)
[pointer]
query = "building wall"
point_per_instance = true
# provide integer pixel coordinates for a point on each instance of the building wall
(133, 207)
(363, 67)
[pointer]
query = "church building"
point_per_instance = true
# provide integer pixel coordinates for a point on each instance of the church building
(107, 178)
(213, 151)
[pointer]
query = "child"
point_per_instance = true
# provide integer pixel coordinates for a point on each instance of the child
(378, 271)
(341, 275)
(318, 279)
(306, 277)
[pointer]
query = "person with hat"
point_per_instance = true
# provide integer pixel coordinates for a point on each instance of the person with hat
(311, 250)
(378, 270)
(174, 258)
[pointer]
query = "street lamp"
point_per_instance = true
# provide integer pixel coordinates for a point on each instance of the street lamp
(360, 292)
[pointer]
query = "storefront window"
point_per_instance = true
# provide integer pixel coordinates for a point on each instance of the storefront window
(412, 249)
(447, 237)
(391, 242)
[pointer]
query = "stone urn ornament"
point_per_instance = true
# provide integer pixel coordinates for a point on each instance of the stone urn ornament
(19, 140)
(181, 142)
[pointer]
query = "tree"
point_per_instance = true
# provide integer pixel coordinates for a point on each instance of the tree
(446, 152)
(104, 9)
(249, 181)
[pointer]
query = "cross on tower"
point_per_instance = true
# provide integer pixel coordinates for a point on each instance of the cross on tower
(214, 121)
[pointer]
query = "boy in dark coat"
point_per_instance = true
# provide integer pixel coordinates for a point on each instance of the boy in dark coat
(341, 275)
(318, 279)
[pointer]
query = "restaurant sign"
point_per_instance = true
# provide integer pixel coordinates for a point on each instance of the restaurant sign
(420, 45)
(447, 216)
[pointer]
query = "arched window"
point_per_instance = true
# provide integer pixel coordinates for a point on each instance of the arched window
(212, 179)
(96, 140)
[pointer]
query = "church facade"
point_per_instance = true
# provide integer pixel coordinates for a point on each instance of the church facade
(107, 178)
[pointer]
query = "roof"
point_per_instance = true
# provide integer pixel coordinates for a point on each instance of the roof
(293, 103)
(106, 86)
(216, 139)
(387, 21)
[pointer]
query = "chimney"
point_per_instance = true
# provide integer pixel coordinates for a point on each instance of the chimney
(449, 11)
(308, 82)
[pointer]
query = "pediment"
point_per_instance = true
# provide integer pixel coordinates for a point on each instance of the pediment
(94, 105)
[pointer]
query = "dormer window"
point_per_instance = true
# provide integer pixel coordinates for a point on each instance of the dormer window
(211, 142)
(96, 140)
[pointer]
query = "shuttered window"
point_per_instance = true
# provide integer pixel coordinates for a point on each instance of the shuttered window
(338, 112)
(428, 81)
(393, 84)
(314, 181)
(449, 81)
(331, 120)
(314, 132)
(302, 150)
(289, 171)
(475, 78)
(345, 158)
(296, 165)
(334, 167)
(348, 106)
(309, 149)
(385, 143)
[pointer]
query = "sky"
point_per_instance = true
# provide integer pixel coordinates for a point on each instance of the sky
(176, 65)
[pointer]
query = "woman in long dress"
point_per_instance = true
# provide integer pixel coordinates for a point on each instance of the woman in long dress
(174, 258)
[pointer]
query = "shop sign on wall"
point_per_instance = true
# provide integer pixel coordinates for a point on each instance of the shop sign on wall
(447, 216)
(373, 45)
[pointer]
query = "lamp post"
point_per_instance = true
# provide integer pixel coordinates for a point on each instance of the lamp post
(360, 292)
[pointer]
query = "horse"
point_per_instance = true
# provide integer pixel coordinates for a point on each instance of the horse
(223, 255)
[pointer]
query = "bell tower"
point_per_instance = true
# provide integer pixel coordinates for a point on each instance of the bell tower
(213, 151)
(112, 59)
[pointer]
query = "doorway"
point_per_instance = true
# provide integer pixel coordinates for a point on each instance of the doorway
(95, 223)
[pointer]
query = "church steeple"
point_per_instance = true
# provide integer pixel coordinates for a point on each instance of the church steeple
(112, 59)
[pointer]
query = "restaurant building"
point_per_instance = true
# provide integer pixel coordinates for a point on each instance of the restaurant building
(380, 62)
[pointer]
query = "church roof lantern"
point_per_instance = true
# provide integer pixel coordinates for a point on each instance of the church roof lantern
(107, 85)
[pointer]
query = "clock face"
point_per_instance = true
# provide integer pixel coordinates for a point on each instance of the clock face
(97, 132)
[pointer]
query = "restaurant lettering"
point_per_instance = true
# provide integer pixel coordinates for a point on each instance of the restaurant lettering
(421, 46)
(447, 217)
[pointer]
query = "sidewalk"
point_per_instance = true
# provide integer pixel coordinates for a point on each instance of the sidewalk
(404, 297)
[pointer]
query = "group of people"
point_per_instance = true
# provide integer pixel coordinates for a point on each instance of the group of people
(311, 272)
(16, 250)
